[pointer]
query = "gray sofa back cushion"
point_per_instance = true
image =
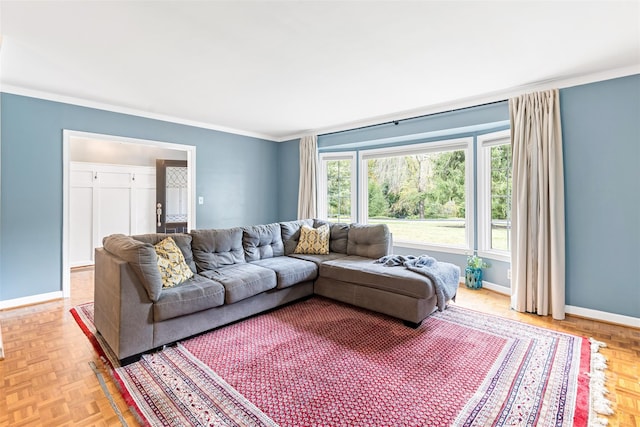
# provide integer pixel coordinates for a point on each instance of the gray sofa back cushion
(291, 233)
(338, 235)
(216, 248)
(141, 257)
(182, 240)
(371, 241)
(262, 241)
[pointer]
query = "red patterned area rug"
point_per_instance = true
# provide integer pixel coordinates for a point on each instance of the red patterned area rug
(319, 362)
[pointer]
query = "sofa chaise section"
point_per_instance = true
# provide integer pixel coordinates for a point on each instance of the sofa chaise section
(397, 292)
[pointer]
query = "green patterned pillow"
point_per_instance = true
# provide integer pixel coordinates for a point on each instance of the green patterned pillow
(313, 241)
(173, 268)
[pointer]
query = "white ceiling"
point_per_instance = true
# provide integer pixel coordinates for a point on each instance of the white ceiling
(281, 69)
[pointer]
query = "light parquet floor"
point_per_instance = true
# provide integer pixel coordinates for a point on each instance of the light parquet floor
(46, 380)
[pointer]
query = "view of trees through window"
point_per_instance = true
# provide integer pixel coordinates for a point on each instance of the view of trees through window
(421, 192)
(339, 190)
(421, 197)
(500, 196)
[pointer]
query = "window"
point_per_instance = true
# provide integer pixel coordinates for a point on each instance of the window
(421, 192)
(337, 187)
(494, 194)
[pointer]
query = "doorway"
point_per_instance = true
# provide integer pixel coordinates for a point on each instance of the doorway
(127, 156)
(171, 196)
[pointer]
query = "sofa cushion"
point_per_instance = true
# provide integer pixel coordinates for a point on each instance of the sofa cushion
(262, 241)
(182, 240)
(313, 240)
(196, 294)
(291, 233)
(338, 235)
(371, 241)
(141, 257)
(366, 272)
(217, 248)
(319, 259)
(289, 271)
(242, 281)
(173, 269)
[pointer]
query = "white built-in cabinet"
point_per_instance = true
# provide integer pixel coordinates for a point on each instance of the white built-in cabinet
(106, 199)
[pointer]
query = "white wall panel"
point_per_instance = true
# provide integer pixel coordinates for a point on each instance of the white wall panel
(81, 226)
(108, 199)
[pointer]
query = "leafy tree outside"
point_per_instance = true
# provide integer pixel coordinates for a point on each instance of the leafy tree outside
(421, 197)
(418, 186)
(339, 190)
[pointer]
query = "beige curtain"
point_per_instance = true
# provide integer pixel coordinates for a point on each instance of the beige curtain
(308, 177)
(537, 213)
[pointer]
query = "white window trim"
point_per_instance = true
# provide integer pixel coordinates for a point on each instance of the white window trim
(404, 150)
(485, 142)
(322, 181)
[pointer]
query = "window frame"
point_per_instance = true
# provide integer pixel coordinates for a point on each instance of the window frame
(322, 195)
(484, 144)
(461, 143)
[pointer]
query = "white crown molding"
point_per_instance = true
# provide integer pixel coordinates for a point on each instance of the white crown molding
(559, 83)
(18, 90)
(32, 299)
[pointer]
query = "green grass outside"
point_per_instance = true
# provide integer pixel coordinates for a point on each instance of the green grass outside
(443, 232)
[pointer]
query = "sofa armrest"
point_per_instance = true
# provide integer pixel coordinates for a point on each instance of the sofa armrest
(123, 312)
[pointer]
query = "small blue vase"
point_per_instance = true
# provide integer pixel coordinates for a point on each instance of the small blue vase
(473, 277)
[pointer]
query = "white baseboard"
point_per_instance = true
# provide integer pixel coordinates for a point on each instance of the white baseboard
(587, 313)
(491, 286)
(496, 288)
(33, 299)
(603, 316)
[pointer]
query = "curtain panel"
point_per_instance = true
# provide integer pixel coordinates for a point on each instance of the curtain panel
(308, 177)
(537, 215)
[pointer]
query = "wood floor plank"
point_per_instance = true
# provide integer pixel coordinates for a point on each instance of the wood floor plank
(46, 380)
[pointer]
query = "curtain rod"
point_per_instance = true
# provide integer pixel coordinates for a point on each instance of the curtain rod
(397, 122)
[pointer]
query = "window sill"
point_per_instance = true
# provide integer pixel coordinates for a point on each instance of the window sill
(495, 255)
(432, 248)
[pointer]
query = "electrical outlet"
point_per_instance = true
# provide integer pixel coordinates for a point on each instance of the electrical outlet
(509, 274)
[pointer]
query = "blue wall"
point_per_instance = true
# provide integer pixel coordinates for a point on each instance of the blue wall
(235, 174)
(601, 137)
(601, 140)
(455, 122)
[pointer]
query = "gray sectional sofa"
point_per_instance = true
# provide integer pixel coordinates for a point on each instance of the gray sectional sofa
(240, 272)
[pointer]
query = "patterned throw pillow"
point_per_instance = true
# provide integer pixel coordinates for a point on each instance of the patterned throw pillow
(314, 241)
(173, 268)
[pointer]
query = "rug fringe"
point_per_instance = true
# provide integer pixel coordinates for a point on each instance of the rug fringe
(597, 389)
(126, 396)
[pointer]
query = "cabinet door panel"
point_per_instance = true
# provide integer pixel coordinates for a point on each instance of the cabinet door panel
(114, 211)
(114, 179)
(81, 178)
(107, 199)
(81, 226)
(143, 216)
(145, 179)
